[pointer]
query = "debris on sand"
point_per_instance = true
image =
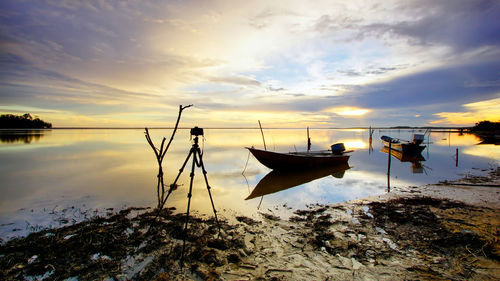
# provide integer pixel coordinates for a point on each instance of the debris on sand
(401, 236)
(118, 247)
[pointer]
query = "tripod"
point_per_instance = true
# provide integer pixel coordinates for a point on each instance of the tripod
(198, 161)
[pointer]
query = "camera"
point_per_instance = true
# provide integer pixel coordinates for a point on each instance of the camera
(196, 131)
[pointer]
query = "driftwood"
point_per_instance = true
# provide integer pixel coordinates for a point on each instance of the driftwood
(160, 154)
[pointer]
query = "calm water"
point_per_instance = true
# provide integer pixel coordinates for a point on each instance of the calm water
(52, 178)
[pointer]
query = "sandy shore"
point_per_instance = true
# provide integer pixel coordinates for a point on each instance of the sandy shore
(446, 231)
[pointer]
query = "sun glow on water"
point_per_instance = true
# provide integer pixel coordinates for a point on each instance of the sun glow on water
(354, 143)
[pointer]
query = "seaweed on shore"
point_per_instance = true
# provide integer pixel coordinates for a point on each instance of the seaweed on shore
(409, 237)
(447, 237)
(439, 228)
(120, 247)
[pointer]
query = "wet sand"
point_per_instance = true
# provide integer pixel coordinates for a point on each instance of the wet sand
(446, 231)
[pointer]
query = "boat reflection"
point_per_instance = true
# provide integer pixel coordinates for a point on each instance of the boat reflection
(415, 158)
(278, 180)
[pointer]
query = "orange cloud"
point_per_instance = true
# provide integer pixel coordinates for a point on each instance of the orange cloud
(477, 111)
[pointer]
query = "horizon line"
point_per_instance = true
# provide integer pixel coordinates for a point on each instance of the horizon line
(246, 128)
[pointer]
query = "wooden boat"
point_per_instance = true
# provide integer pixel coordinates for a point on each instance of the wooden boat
(278, 180)
(300, 160)
(404, 146)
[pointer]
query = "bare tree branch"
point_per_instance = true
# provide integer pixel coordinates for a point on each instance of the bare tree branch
(181, 108)
(160, 154)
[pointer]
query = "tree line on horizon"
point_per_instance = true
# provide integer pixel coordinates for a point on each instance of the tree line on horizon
(25, 121)
(486, 126)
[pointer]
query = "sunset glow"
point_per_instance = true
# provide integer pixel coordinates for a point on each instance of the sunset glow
(350, 111)
(290, 64)
(354, 143)
(477, 111)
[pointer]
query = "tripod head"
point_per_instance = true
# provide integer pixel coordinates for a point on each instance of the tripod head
(196, 131)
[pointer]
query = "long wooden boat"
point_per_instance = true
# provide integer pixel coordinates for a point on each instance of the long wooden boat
(402, 145)
(278, 180)
(298, 160)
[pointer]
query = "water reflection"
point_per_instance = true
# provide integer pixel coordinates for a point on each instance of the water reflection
(23, 136)
(115, 168)
(278, 180)
(370, 140)
(489, 138)
(414, 158)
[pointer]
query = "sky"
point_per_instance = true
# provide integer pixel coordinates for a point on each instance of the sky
(287, 63)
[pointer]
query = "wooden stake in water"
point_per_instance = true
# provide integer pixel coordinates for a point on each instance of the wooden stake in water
(370, 140)
(456, 158)
(428, 142)
(389, 168)
(308, 140)
(262, 136)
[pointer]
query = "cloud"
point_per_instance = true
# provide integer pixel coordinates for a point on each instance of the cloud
(392, 57)
(269, 15)
(456, 84)
(24, 82)
(337, 23)
(236, 80)
(272, 89)
(109, 46)
(462, 25)
(473, 113)
(370, 70)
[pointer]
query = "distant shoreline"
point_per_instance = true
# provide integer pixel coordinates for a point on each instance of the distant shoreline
(240, 128)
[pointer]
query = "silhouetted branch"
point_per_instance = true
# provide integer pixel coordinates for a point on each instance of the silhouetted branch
(181, 108)
(148, 138)
(160, 154)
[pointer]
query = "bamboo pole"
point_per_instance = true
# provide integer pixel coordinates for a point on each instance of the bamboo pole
(262, 132)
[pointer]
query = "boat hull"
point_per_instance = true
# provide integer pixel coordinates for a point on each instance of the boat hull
(277, 161)
(404, 157)
(405, 147)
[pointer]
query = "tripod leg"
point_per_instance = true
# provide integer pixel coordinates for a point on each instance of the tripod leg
(208, 187)
(160, 207)
(187, 212)
(176, 178)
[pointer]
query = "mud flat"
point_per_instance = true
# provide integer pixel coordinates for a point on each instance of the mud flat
(446, 231)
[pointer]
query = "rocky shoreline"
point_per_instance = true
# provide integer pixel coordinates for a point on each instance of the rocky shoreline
(448, 231)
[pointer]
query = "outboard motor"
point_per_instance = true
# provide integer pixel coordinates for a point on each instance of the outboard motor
(338, 148)
(417, 139)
